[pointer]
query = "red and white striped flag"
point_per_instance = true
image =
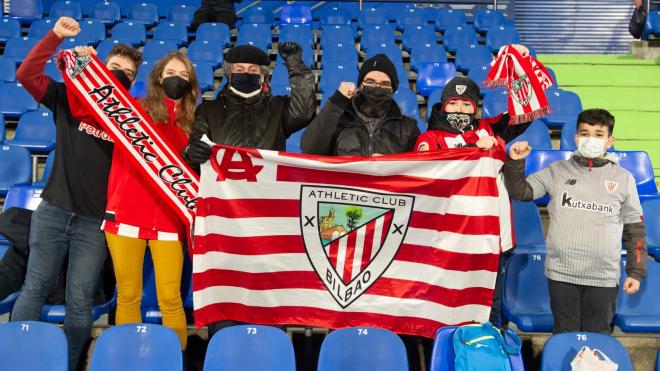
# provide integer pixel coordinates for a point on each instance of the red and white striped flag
(404, 242)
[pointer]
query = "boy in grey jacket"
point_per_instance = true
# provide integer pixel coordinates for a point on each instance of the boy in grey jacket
(593, 203)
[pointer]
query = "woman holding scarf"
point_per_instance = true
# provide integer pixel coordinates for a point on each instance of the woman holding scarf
(135, 213)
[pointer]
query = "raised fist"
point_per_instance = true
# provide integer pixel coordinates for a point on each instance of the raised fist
(347, 89)
(519, 150)
(522, 49)
(84, 51)
(289, 49)
(66, 27)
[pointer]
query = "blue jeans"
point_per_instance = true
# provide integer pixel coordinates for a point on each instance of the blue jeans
(54, 234)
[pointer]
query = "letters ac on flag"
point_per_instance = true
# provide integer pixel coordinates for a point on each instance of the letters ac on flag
(233, 168)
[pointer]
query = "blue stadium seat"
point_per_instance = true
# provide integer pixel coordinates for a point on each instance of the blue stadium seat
(334, 74)
(527, 226)
(495, 102)
(15, 100)
(391, 51)
(156, 49)
(293, 142)
(206, 51)
(15, 167)
(555, 84)
(485, 19)
(375, 35)
(334, 15)
(443, 356)
(68, 43)
(372, 15)
(213, 32)
(91, 32)
(541, 159)
(448, 18)
(164, 6)
(640, 312)
(17, 48)
(86, 6)
(410, 16)
(295, 14)
(104, 47)
(651, 25)
(205, 75)
(35, 132)
(478, 75)
(526, 300)
(255, 34)
(2, 128)
(108, 13)
(431, 76)
(9, 28)
(298, 33)
(560, 349)
(433, 98)
(258, 14)
(365, 348)
(269, 348)
(651, 207)
(26, 10)
(125, 6)
(47, 170)
(422, 53)
(472, 55)
(458, 36)
(129, 33)
(145, 13)
(279, 83)
(182, 13)
(639, 165)
(41, 27)
(567, 140)
(139, 88)
(144, 347)
(22, 340)
(337, 34)
(172, 31)
(66, 8)
(7, 70)
(565, 106)
(52, 71)
(418, 35)
(339, 54)
(407, 101)
(497, 37)
(537, 134)
(23, 196)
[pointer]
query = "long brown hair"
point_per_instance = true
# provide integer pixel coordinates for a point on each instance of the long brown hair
(153, 102)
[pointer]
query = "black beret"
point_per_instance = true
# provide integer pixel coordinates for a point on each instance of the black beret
(247, 54)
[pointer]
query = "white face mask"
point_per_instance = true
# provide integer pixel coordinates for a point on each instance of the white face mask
(591, 147)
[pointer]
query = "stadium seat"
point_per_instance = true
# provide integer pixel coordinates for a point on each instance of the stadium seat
(17, 48)
(376, 35)
(651, 207)
(295, 14)
(171, 31)
(129, 33)
(410, 16)
(298, 33)
(407, 101)
(269, 348)
(104, 47)
(337, 34)
(293, 142)
(164, 6)
(640, 312)
(156, 49)
(433, 98)
(144, 347)
(431, 76)
(41, 27)
(181, 13)
(458, 36)
(365, 348)
(91, 32)
(422, 53)
(478, 75)
(537, 135)
(372, 15)
(9, 28)
(2, 128)
(213, 32)
(527, 226)
(35, 132)
(15, 100)
(139, 88)
(565, 106)
(443, 356)
(339, 54)
(419, 35)
(447, 18)
(7, 70)
(560, 349)
(68, 43)
(26, 10)
(567, 140)
(485, 19)
(472, 55)
(108, 13)
(258, 14)
(48, 168)
(205, 77)
(639, 165)
(651, 25)
(23, 196)
(540, 159)
(15, 167)
(255, 34)
(66, 8)
(391, 51)
(497, 37)
(206, 51)
(31, 345)
(144, 13)
(335, 74)
(526, 300)
(334, 15)
(125, 6)
(495, 102)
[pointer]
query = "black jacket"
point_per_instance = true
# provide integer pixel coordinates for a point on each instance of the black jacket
(338, 131)
(263, 121)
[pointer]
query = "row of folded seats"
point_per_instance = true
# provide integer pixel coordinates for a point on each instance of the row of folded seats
(150, 347)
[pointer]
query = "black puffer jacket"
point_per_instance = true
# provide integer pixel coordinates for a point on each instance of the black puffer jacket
(339, 131)
(263, 121)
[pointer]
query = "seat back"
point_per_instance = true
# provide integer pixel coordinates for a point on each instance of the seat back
(26, 10)
(172, 31)
(457, 36)
(447, 18)
(485, 19)
(66, 8)
(213, 32)
(156, 49)
(7, 70)
(258, 14)
(527, 226)
(269, 348)
(335, 74)
(23, 196)
(526, 292)
(15, 100)
(426, 52)
(431, 76)
(295, 14)
(471, 55)
(205, 77)
(376, 35)
(639, 164)
(414, 35)
(130, 33)
(9, 27)
(362, 348)
(409, 16)
(500, 36)
(31, 345)
(407, 101)
(646, 301)
(48, 168)
(36, 126)
(495, 102)
(206, 51)
(537, 135)
(145, 13)
(564, 102)
(106, 12)
(567, 140)
(182, 13)
(17, 48)
(334, 15)
(372, 15)
(298, 33)
(560, 349)
(651, 207)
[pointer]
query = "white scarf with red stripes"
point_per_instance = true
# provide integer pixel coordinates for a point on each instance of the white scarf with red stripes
(131, 130)
(526, 81)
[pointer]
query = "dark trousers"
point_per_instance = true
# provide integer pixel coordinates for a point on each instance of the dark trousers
(496, 317)
(581, 308)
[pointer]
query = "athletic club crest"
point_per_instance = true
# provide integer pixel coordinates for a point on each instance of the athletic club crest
(611, 186)
(460, 89)
(521, 90)
(351, 236)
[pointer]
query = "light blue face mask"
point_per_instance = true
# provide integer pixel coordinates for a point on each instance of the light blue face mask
(591, 147)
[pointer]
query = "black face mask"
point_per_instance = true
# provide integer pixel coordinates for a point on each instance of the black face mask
(175, 87)
(246, 83)
(122, 77)
(374, 101)
(452, 122)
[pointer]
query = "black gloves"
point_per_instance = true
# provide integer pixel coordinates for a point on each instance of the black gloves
(289, 51)
(198, 152)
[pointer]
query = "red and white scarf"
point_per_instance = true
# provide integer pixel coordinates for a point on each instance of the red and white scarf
(526, 81)
(132, 131)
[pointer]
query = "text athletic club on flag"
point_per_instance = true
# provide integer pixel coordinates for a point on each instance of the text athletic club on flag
(405, 242)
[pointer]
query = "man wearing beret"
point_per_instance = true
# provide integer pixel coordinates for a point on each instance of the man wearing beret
(245, 114)
(367, 122)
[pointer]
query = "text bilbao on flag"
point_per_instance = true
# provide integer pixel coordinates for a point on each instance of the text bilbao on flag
(405, 242)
